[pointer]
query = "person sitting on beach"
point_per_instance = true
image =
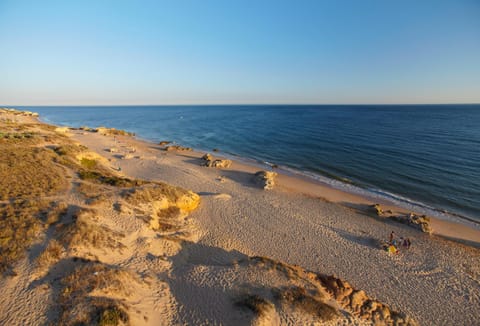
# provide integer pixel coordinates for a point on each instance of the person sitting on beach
(392, 249)
(407, 243)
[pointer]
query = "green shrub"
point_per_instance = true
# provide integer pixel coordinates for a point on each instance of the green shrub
(88, 163)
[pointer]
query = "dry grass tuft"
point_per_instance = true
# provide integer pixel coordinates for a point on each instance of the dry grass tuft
(27, 172)
(20, 221)
(51, 254)
(55, 213)
(88, 163)
(112, 316)
(291, 272)
(81, 307)
(95, 276)
(69, 150)
(111, 180)
(154, 192)
(13, 137)
(94, 193)
(84, 231)
(299, 298)
(258, 305)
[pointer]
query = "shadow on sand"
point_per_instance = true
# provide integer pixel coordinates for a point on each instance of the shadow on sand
(206, 301)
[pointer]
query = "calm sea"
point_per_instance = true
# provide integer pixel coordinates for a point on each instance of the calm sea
(427, 156)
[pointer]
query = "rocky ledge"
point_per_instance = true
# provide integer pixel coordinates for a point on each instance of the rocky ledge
(266, 179)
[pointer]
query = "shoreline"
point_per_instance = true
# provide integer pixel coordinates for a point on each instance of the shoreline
(423, 198)
(372, 196)
(455, 228)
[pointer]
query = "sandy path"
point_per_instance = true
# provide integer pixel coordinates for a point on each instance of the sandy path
(436, 281)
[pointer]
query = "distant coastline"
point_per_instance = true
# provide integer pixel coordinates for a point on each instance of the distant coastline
(325, 144)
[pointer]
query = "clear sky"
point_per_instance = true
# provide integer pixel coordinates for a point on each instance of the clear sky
(201, 52)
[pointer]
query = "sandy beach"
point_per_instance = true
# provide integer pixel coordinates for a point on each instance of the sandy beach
(242, 238)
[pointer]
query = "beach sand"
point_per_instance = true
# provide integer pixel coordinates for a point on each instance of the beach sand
(302, 223)
(192, 277)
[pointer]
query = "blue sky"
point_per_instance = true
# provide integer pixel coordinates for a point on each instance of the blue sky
(202, 52)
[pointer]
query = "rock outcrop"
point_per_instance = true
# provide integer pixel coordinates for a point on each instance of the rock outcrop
(164, 142)
(421, 222)
(207, 157)
(19, 112)
(266, 179)
(177, 148)
(210, 162)
(218, 163)
(377, 209)
(361, 305)
(112, 131)
(62, 130)
(160, 205)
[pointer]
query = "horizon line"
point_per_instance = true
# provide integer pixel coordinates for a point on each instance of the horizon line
(239, 104)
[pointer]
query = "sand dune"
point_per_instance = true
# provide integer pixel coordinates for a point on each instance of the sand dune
(122, 245)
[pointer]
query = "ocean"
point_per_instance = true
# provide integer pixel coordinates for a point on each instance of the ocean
(424, 157)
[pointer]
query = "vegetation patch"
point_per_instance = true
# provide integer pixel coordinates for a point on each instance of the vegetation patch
(112, 316)
(112, 131)
(69, 150)
(88, 163)
(52, 254)
(154, 192)
(20, 221)
(78, 304)
(110, 180)
(258, 305)
(16, 135)
(84, 231)
(299, 298)
(27, 172)
(94, 193)
(56, 211)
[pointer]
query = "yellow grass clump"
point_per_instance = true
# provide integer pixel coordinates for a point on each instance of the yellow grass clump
(20, 221)
(27, 172)
(52, 254)
(87, 295)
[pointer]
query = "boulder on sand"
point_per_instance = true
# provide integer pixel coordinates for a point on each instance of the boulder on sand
(218, 163)
(266, 179)
(177, 148)
(208, 161)
(164, 142)
(421, 222)
(207, 157)
(62, 130)
(377, 209)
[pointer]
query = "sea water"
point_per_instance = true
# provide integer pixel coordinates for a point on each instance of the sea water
(423, 157)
